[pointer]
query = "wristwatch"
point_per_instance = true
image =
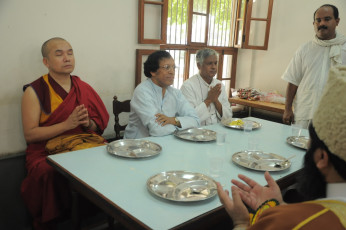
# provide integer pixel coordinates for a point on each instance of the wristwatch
(177, 122)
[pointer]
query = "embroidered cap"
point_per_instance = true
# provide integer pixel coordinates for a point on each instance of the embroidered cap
(329, 118)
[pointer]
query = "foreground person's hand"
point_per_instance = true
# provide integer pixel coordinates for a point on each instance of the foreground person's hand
(234, 207)
(254, 194)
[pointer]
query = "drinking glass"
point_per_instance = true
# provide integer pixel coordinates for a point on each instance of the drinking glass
(247, 126)
(296, 129)
(220, 137)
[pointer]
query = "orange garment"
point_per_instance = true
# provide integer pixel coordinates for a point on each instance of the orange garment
(67, 143)
(45, 191)
(55, 100)
(319, 214)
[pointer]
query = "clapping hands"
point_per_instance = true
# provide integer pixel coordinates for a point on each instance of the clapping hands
(251, 193)
(234, 207)
(254, 194)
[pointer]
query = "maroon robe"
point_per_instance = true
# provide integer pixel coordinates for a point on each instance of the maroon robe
(44, 190)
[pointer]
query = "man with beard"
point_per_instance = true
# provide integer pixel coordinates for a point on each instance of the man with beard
(323, 181)
(308, 70)
(205, 93)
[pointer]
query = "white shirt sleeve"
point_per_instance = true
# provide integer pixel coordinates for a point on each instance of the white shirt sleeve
(186, 114)
(192, 95)
(226, 106)
(293, 73)
(145, 106)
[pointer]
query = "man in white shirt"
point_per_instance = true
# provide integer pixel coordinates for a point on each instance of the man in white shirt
(206, 93)
(322, 182)
(158, 109)
(308, 70)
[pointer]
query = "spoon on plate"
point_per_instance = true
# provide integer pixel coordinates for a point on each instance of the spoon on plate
(282, 163)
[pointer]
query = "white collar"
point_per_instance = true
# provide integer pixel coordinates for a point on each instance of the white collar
(204, 82)
(336, 190)
(335, 46)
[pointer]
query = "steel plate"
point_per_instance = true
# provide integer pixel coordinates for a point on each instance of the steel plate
(236, 123)
(196, 134)
(133, 148)
(300, 142)
(260, 161)
(182, 186)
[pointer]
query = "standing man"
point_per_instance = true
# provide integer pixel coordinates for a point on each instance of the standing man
(308, 70)
(204, 92)
(60, 113)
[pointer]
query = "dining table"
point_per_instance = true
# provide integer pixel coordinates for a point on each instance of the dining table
(118, 185)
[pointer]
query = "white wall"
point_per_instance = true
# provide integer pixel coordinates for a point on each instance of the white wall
(104, 38)
(103, 35)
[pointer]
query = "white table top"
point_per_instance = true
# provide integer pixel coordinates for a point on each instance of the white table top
(123, 180)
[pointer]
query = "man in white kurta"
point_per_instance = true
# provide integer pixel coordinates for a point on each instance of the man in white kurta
(205, 93)
(157, 109)
(147, 101)
(307, 72)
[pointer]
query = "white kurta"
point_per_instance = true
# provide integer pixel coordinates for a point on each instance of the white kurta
(147, 101)
(195, 90)
(309, 71)
(336, 191)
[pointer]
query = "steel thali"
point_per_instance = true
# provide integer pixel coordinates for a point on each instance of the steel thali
(236, 123)
(182, 186)
(260, 161)
(133, 148)
(196, 134)
(298, 141)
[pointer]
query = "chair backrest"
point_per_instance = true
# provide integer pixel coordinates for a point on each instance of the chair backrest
(119, 107)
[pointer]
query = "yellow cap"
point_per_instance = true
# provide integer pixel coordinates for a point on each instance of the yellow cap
(329, 119)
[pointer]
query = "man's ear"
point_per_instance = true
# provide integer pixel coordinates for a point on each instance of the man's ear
(321, 159)
(153, 74)
(198, 66)
(45, 61)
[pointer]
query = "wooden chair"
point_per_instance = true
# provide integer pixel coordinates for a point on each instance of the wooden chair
(119, 107)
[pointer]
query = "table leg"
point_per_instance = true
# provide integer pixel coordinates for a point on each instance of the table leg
(75, 215)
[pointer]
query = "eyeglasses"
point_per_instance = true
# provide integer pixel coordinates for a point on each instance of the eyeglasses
(169, 67)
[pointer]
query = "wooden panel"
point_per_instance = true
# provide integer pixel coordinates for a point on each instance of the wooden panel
(249, 18)
(141, 12)
(139, 67)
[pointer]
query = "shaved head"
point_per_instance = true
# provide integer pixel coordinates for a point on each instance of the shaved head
(45, 46)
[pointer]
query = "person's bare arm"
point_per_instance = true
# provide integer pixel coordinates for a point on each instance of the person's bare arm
(31, 115)
(288, 115)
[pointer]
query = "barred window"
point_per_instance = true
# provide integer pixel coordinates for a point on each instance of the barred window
(189, 25)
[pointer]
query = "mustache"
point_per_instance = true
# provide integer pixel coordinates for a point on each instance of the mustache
(322, 27)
